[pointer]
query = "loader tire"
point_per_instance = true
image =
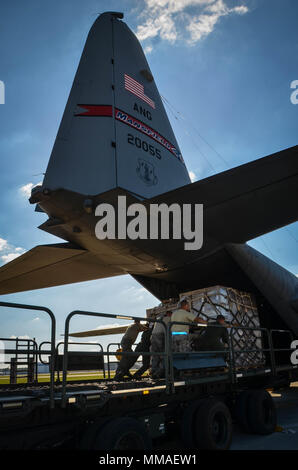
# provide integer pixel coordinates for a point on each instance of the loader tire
(262, 413)
(123, 434)
(213, 426)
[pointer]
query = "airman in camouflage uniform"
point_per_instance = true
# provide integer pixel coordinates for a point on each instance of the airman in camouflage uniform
(180, 333)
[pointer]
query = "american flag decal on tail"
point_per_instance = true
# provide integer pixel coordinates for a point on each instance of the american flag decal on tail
(137, 89)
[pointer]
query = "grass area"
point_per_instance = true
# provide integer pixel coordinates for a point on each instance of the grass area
(71, 376)
(45, 378)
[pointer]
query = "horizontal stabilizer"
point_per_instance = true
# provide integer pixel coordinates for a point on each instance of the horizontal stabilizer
(51, 265)
(105, 330)
(247, 201)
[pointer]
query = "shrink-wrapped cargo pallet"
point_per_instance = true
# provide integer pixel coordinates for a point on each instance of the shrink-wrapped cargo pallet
(154, 312)
(237, 308)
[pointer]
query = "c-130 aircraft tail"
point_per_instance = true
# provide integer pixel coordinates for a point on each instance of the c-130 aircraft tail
(115, 131)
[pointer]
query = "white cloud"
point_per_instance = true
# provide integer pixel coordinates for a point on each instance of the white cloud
(26, 189)
(20, 337)
(218, 8)
(108, 325)
(148, 49)
(192, 176)
(201, 26)
(148, 30)
(10, 257)
(241, 10)
(9, 252)
(169, 19)
(135, 294)
(3, 244)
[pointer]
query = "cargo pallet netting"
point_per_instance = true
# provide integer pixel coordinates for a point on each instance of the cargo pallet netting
(238, 308)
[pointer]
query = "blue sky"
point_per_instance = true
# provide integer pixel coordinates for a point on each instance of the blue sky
(225, 67)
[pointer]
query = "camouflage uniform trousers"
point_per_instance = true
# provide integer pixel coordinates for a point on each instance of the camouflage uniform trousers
(126, 361)
(145, 361)
(157, 345)
(181, 343)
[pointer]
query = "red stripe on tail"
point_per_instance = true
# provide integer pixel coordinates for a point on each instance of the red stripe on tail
(96, 110)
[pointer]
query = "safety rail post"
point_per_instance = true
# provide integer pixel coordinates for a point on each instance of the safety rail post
(274, 350)
(53, 337)
(41, 353)
(104, 315)
(270, 344)
(104, 367)
(35, 354)
(108, 350)
(32, 375)
(31, 370)
(232, 368)
(13, 371)
(167, 358)
(17, 355)
(169, 349)
(272, 355)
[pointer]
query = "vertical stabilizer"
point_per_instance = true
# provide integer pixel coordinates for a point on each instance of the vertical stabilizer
(149, 161)
(115, 131)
